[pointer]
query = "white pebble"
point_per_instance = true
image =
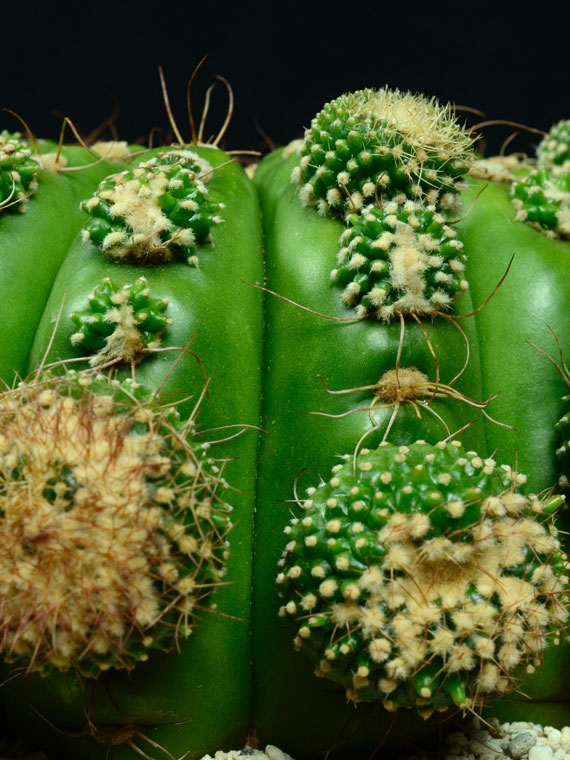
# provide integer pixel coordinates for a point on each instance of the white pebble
(273, 753)
(543, 752)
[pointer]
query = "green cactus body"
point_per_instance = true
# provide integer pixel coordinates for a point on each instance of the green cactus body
(390, 377)
(207, 309)
(33, 245)
(302, 248)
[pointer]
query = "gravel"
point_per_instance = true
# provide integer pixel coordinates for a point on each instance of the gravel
(478, 741)
(271, 753)
(512, 741)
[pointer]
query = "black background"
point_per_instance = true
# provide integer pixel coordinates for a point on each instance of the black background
(86, 61)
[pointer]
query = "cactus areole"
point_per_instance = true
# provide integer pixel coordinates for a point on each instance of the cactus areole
(284, 460)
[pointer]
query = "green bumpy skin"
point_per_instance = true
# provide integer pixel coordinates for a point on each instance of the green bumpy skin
(399, 258)
(554, 149)
(120, 324)
(380, 143)
(419, 575)
(542, 198)
(148, 497)
(18, 172)
(154, 213)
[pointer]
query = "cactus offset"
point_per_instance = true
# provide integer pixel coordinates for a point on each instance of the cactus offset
(112, 526)
(18, 171)
(155, 213)
(542, 198)
(120, 324)
(381, 143)
(400, 257)
(423, 577)
(554, 149)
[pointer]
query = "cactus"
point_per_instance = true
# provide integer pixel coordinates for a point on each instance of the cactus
(400, 257)
(419, 575)
(543, 200)
(17, 171)
(429, 371)
(424, 564)
(554, 149)
(383, 142)
(149, 501)
(120, 323)
(157, 212)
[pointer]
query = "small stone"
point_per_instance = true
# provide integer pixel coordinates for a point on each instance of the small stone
(494, 745)
(520, 744)
(477, 747)
(541, 753)
(273, 753)
(553, 735)
(517, 726)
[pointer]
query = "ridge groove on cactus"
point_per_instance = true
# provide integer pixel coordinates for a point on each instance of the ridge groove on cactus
(424, 577)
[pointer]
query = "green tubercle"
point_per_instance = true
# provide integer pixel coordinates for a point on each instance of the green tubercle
(112, 521)
(18, 172)
(554, 150)
(421, 576)
(157, 212)
(542, 199)
(120, 324)
(399, 258)
(380, 143)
